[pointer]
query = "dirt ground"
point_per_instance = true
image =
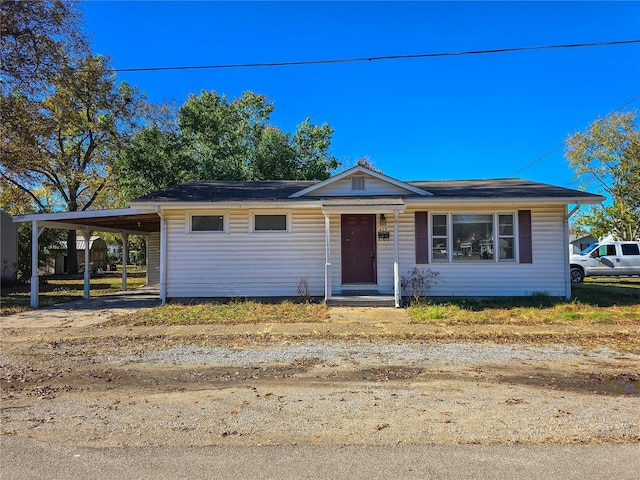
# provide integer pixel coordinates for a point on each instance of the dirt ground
(365, 377)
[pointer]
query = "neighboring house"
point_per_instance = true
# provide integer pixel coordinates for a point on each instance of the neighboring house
(58, 262)
(358, 233)
(578, 244)
(8, 247)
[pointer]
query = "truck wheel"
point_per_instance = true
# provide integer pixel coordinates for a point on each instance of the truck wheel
(577, 275)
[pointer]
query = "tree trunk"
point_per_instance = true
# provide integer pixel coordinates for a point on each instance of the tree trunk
(72, 256)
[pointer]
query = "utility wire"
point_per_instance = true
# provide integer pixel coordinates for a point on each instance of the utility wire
(374, 59)
(562, 144)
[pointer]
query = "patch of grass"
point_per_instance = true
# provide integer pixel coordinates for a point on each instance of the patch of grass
(227, 314)
(612, 301)
(605, 292)
(56, 289)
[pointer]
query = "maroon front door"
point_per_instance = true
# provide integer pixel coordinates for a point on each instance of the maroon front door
(358, 248)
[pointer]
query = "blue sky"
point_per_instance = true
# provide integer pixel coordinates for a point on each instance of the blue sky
(481, 116)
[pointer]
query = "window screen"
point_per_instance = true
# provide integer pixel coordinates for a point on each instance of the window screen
(270, 223)
(207, 223)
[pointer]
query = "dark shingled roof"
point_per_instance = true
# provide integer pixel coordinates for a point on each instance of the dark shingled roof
(234, 191)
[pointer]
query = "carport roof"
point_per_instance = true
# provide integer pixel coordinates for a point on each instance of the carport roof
(129, 220)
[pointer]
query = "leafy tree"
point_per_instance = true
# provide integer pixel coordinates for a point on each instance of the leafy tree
(57, 151)
(37, 37)
(212, 138)
(606, 157)
(218, 135)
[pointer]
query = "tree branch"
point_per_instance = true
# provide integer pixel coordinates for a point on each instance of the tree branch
(95, 195)
(25, 190)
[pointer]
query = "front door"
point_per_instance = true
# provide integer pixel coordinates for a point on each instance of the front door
(358, 248)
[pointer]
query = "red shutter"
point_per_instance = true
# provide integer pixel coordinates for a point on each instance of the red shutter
(524, 231)
(422, 237)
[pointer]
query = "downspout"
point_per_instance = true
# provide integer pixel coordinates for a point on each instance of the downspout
(163, 256)
(566, 249)
(396, 259)
(327, 261)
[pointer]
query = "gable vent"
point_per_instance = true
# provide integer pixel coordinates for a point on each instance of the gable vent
(357, 182)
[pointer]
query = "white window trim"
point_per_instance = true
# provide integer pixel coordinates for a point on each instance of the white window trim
(204, 213)
(516, 240)
(496, 228)
(252, 222)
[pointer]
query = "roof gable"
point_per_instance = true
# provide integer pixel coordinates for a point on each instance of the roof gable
(375, 183)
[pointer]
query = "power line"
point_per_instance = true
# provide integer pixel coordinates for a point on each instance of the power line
(545, 155)
(373, 59)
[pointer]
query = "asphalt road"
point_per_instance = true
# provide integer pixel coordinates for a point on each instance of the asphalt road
(23, 458)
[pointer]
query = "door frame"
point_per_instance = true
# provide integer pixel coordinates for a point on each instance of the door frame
(374, 239)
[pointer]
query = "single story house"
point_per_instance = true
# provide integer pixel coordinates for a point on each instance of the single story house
(358, 233)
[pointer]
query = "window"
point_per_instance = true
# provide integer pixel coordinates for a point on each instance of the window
(207, 223)
(439, 239)
(357, 182)
(506, 237)
(473, 237)
(605, 251)
(630, 249)
(270, 222)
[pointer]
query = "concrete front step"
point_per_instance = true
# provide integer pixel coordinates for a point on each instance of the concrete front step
(361, 301)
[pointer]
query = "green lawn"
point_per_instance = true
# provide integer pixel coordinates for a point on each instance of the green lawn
(65, 288)
(597, 300)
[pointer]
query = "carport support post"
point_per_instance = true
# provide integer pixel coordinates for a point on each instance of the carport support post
(35, 281)
(86, 233)
(125, 259)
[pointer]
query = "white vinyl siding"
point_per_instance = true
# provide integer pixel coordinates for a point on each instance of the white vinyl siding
(153, 258)
(372, 186)
(546, 274)
(245, 263)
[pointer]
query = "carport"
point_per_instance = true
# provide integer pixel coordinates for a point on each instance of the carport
(126, 221)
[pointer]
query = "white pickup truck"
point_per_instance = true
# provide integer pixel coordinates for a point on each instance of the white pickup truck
(606, 259)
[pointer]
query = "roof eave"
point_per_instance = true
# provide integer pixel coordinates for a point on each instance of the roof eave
(532, 200)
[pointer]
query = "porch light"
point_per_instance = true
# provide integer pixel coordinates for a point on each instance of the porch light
(383, 220)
